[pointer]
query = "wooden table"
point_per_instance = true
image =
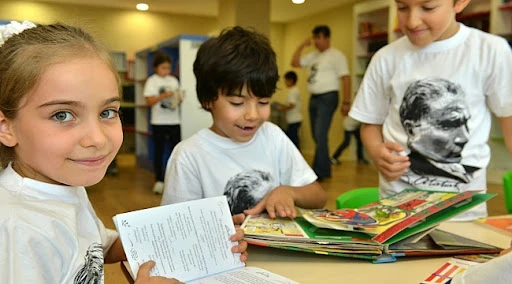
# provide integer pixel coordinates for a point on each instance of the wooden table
(310, 268)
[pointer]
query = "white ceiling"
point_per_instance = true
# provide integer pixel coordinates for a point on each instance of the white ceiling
(280, 10)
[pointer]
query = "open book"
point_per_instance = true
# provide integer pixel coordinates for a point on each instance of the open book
(402, 225)
(188, 241)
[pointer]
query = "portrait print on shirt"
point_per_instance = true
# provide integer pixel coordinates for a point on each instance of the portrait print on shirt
(246, 189)
(434, 115)
(92, 271)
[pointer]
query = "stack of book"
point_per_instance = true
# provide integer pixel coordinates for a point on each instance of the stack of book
(400, 225)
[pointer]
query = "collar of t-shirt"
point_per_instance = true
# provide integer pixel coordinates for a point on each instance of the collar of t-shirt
(444, 44)
(40, 190)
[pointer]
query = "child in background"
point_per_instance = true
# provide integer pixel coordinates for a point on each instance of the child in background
(350, 127)
(292, 108)
(162, 93)
(426, 102)
(59, 131)
(241, 155)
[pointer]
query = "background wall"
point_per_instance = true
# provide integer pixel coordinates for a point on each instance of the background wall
(131, 31)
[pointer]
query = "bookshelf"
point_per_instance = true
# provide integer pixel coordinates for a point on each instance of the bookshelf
(127, 112)
(182, 49)
(373, 30)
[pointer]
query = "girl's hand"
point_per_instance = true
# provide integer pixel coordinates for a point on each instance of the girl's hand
(389, 162)
(242, 245)
(143, 276)
(279, 201)
(238, 219)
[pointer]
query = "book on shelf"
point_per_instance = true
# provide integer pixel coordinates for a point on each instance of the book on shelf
(457, 264)
(189, 241)
(401, 225)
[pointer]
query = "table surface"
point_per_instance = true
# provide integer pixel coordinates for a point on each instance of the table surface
(311, 268)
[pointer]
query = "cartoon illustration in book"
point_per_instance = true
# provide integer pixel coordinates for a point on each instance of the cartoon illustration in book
(379, 216)
(349, 216)
(263, 225)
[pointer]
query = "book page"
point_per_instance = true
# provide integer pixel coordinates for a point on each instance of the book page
(188, 240)
(246, 275)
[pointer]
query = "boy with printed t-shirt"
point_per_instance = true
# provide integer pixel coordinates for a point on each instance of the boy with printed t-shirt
(242, 155)
(426, 102)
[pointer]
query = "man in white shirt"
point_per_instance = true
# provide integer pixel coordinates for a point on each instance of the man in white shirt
(326, 67)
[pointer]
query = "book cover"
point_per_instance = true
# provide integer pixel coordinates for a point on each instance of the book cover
(388, 217)
(189, 241)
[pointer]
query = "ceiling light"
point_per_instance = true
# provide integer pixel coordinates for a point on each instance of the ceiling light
(298, 1)
(142, 7)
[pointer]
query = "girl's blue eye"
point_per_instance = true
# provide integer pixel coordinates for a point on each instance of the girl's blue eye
(109, 113)
(62, 116)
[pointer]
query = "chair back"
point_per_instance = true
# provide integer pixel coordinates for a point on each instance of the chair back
(358, 197)
(507, 190)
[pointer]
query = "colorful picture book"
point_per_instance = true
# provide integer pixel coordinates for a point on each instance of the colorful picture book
(388, 217)
(401, 225)
(454, 266)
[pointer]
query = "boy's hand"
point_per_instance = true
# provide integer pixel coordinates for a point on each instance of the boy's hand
(242, 245)
(143, 275)
(279, 201)
(389, 162)
(307, 42)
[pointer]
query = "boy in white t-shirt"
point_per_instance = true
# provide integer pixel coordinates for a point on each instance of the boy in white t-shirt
(426, 102)
(292, 108)
(242, 155)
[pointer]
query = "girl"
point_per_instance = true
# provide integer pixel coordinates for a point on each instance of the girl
(162, 95)
(59, 131)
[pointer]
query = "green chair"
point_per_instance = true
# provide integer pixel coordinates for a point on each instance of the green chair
(507, 190)
(357, 197)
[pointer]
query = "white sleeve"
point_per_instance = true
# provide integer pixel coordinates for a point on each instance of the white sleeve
(496, 271)
(27, 256)
(293, 169)
(341, 65)
(182, 182)
(371, 104)
(500, 83)
(151, 88)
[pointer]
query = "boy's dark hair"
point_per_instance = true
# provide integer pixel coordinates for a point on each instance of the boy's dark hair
(322, 29)
(291, 75)
(160, 57)
(236, 57)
